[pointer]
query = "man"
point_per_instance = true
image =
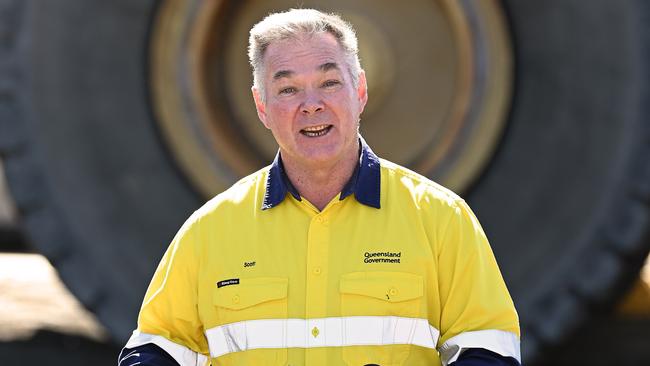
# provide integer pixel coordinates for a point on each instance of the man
(330, 256)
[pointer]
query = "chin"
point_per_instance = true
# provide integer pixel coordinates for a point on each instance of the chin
(322, 155)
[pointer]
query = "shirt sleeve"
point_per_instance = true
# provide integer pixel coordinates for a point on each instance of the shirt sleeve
(145, 355)
(482, 357)
(169, 314)
(476, 308)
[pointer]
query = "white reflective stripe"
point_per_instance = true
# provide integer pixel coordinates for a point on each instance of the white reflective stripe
(183, 355)
(331, 332)
(498, 341)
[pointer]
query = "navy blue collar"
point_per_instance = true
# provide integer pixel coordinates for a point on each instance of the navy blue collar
(365, 182)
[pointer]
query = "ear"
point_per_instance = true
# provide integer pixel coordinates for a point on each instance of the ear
(260, 106)
(362, 91)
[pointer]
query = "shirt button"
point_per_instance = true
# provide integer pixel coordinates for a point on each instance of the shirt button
(393, 291)
(235, 299)
(317, 271)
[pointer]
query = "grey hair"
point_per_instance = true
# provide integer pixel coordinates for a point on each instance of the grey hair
(292, 24)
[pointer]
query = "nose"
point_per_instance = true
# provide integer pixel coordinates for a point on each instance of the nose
(312, 103)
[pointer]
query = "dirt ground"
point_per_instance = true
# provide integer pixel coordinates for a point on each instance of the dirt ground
(41, 323)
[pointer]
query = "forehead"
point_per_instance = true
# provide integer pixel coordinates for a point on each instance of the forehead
(307, 53)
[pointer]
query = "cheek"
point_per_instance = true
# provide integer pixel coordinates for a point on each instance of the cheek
(345, 106)
(282, 108)
(280, 116)
(348, 114)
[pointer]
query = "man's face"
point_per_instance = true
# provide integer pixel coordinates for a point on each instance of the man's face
(312, 106)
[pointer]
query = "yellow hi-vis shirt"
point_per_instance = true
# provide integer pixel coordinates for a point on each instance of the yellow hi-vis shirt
(396, 270)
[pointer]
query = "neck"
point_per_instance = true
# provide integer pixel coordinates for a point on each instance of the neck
(319, 184)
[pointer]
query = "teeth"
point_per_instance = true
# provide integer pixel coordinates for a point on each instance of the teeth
(315, 128)
(315, 131)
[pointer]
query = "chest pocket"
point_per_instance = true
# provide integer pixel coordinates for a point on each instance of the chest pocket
(382, 307)
(242, 309)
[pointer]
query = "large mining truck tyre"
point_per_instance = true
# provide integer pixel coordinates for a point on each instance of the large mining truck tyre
(572, 173)
(97, 193)
(564, 199)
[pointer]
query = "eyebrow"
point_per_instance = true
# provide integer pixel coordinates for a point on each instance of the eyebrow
(329, 66)
(282, 74)
(288, 73)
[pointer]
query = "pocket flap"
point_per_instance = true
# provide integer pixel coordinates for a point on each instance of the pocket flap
(387, 286)
(251, 291)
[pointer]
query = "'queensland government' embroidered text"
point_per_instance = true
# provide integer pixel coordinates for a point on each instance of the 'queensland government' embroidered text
(382, 257)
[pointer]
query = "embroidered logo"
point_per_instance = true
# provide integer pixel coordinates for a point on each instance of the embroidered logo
(232, 281)
(382, 257)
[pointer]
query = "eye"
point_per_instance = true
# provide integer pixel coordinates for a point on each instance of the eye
(287, 91)
(331, 83)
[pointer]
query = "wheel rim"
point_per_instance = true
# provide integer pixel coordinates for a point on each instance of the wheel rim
(437, 102)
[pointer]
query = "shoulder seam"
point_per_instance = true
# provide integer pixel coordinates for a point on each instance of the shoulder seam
(422, 179)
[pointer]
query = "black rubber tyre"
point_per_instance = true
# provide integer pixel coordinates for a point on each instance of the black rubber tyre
(95, 189)
(565, 200)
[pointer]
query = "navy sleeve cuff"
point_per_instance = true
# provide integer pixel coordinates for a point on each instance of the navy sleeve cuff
(152, 355)
(145, 355)
(483, 357)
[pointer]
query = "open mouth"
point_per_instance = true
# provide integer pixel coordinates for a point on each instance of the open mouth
(316, 131)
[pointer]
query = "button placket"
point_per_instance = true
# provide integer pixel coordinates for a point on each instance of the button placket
(317, 254)
(316, 333)
(316, 289)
